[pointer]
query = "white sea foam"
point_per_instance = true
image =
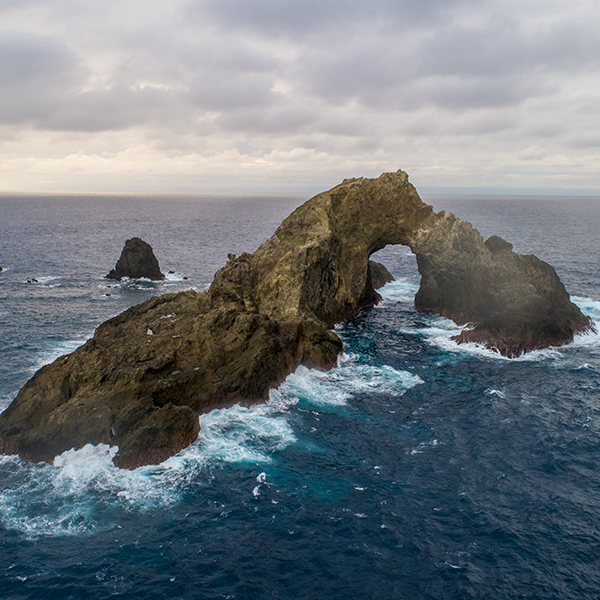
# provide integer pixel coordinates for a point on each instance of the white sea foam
(588, 307)
(442, 330)
(591, 308)
(402, 290)
(439, 330)
(424, 446)
(242, 434)
(70, 496)
(47, 356)
(143, 283)
(5, 401)
(174, 277)
(48, 281)
(74, 494)
(337, 386)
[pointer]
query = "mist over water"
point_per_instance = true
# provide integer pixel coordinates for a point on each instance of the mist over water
(415, 469)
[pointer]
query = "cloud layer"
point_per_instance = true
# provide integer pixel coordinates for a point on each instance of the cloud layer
(269, 95)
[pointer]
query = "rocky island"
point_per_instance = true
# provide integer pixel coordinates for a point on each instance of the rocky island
(147, 373)
(137, 261)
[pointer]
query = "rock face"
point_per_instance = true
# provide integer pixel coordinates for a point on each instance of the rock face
(144, 377)
(137, 261)
(379, 275)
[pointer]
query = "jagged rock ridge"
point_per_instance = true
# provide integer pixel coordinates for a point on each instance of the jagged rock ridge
(143, 378)
(137, 261)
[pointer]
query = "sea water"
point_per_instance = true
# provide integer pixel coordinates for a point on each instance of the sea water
(416, 469)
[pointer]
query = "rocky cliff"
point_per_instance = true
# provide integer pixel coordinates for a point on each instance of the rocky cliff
(143, 378)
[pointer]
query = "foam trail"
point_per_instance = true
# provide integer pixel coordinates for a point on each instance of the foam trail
(5, 401)
(591, 308)
(588, 306)
(402, 290)
(47, 281)
(65, 347)
(337, 386)
(245, 434)
(81, 490)
(440, 331)
(174, 277)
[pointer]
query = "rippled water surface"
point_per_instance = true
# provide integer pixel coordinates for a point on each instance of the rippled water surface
(417, 469)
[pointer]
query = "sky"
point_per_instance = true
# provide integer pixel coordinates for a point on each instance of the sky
(283, 96)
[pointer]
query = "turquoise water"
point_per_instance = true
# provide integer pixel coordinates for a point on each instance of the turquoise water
(416, 469)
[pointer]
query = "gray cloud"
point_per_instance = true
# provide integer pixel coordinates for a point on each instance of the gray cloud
(113, 109)
(35, 73)
(343, 78)
(226, 91)
(333, 18)
(274, 120)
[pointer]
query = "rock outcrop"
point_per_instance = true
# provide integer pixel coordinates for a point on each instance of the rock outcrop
(144, 377)
(379, 275)
(137, 261)
(513, 303)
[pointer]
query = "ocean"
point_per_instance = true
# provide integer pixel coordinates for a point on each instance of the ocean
(417, 469)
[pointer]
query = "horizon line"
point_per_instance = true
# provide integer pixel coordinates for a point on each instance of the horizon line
(425, 190)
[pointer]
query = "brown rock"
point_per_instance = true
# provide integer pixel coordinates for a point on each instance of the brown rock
(379, 274)
(141, 381)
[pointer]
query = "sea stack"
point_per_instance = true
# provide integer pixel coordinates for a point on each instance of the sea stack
(137, 261)
(142, 380)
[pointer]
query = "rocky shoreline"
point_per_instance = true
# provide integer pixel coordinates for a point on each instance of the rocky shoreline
(144, 377)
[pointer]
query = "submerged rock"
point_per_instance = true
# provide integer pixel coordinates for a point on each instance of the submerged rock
(137, 261)
(144, 377)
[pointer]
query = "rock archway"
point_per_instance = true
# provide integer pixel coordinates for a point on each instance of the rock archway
(268, 312)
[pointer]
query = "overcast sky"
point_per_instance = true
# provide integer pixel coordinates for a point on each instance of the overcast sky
(296, 95)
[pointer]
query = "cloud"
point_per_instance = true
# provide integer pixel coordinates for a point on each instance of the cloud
(313, 18)
(35, 73)
(384, 84)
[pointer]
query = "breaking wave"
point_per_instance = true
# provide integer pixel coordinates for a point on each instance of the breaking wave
(439, 331)
(82, 488)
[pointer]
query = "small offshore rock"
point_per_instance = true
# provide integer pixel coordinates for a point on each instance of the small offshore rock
(137, 261)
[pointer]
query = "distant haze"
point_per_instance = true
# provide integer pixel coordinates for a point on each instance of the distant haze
(274, 96)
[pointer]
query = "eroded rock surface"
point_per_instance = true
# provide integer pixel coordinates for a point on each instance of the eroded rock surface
(137, 261)
(144, 377)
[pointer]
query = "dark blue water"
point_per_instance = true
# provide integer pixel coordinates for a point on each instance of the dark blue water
(417, 469)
